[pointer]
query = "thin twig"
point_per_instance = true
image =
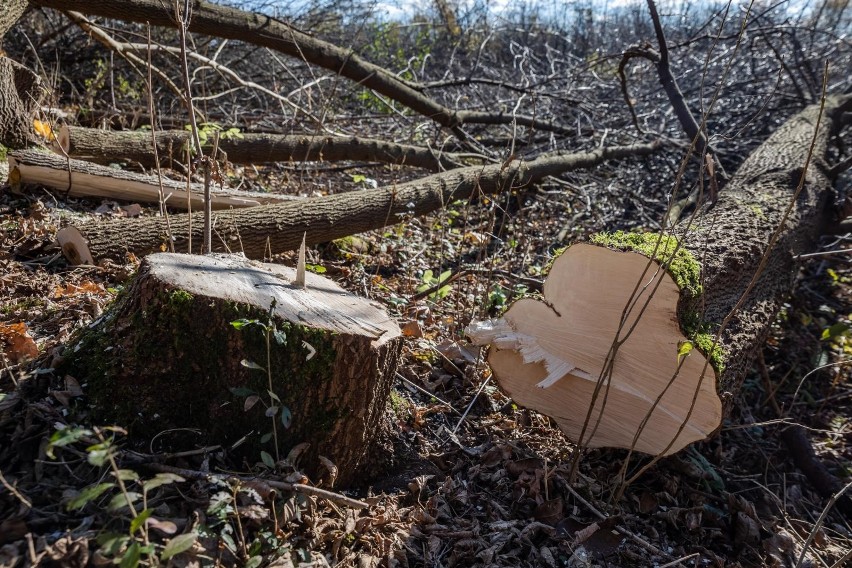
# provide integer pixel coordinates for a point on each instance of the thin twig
(820, 520)
(424, 391)
(151, 113)
(296, 487)
(26, 502)
(680, 560)
(636, 538)
(469, 406)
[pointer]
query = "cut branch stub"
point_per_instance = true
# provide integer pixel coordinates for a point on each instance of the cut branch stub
(550, 355)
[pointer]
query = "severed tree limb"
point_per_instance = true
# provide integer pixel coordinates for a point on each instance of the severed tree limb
(11, 12)
(280, 227)
(799, 445)
(83, 179)
(660, 59)
(599, 355)
(802, 451)
(226, 22)
(106, 146)
(664, 70)
(129, 52)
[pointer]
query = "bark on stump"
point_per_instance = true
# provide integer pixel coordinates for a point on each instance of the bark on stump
(578, 349)
(168, 356)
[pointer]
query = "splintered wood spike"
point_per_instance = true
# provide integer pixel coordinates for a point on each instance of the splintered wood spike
(300, 264)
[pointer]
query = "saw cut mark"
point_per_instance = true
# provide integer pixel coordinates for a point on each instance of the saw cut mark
(552, 363)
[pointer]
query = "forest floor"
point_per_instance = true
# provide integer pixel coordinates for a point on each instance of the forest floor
(477, 481)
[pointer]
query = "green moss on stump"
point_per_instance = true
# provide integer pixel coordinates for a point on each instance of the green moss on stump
(143, 372)
(685, 270)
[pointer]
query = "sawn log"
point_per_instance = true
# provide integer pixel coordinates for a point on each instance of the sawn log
(643, 341)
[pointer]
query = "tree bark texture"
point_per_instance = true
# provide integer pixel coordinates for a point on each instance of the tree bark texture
(10, 13)
(231, 23)
(602, 353)
(19, 96)
(166, 356)
(731, 237)
(105, 146)
(280, 227)
(78, 178)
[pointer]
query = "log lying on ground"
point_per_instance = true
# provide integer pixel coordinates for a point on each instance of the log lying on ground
(654, 394)
(167, 356)
(105, 146)
(92, 180)
(276, 228)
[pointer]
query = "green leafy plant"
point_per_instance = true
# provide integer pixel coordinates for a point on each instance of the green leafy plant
(499, 296)
(126, 493)
(275, 410)
(430, 281)
(364, 181)
(207, 129)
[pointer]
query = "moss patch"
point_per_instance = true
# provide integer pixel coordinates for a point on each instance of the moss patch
(685, 270)
(706, 343)
(682, 266)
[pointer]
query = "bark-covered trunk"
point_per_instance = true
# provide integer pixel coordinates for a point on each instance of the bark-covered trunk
(280, 227)
(19, 96)
(609, 353)
(731, 237)
(233, 350)
(10, 13)
(19, 87)
(105, 146)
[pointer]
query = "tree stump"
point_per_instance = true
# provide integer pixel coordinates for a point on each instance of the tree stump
(233, 349)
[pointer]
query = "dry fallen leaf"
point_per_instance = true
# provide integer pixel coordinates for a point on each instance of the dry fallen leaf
(43, 129)
(412, 329)
(86, 286)
(19, 343)
(550, 512)
(132, 210)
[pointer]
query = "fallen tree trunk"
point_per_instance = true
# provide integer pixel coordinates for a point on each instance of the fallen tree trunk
(280, 227)
(105, 146)
(233, 349)
(609, 353)
(83, 179)
(257, 29)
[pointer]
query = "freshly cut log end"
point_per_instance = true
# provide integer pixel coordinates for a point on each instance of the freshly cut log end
(550, 355)
(169, 356)
(74, 246)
